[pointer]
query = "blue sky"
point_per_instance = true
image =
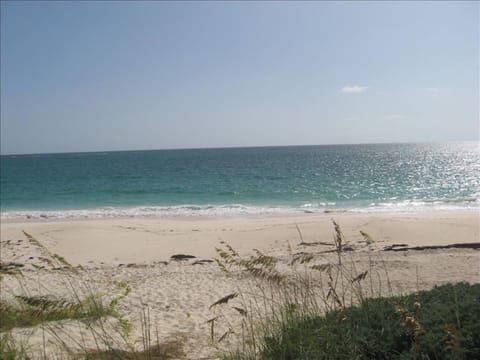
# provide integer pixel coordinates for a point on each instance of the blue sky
(95, 76)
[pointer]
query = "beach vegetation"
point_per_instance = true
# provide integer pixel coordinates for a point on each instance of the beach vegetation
(91, 314)
(41, 309)
(11, 348)
(426, 325)
(329, 308)
(28, 311)
(171, 349)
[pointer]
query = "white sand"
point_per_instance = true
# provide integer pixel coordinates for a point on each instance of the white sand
(179, 294)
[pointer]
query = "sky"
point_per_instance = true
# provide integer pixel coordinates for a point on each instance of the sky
(98, 76)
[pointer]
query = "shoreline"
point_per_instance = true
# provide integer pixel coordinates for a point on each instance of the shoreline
(287, 214)
(144, 239)
(226, 211)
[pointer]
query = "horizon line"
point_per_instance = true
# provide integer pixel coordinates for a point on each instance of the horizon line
(238, 147)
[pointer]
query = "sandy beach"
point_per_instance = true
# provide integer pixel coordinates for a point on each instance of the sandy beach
(138, 251)
(239, 180)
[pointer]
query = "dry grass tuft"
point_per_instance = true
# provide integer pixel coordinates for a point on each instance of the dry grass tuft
(283, 289)
(224, 299)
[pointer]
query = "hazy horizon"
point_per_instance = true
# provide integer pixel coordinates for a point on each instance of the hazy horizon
(134, 76)
(246, 147)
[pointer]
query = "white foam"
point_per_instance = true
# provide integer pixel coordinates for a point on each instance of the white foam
(414, 206)
(234, 210)
(149, 211)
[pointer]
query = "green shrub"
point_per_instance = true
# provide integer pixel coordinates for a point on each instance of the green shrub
(443, 323)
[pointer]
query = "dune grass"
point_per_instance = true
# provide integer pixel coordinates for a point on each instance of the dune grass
(172, 349)
(27, 310)
(93, 314)
(30, 311)
(327, 308)
(97, 313)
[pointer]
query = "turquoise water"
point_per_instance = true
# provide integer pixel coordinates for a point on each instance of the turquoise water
(395, 177)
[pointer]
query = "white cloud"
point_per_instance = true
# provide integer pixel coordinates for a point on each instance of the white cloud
(355, 89)
(394, 117)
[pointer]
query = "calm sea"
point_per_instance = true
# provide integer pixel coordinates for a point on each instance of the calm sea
(236, 181)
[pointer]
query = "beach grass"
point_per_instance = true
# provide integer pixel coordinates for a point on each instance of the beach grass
(28, 311)
(172, 349)
(96, 312)
(327, 308)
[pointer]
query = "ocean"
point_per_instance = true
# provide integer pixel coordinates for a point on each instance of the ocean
(242, 181)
